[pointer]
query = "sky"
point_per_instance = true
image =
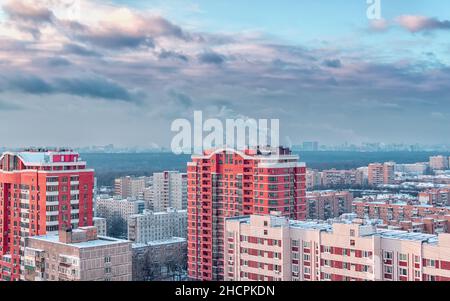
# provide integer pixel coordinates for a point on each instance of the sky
(80, 73)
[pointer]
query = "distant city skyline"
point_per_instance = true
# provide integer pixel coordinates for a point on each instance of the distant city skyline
(296, 147)
(119, 72)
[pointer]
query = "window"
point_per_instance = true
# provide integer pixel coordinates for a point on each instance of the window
(306, 257)
(327, 249)
(403, 272)
(388, 255)
(403, 257)
(430, 263)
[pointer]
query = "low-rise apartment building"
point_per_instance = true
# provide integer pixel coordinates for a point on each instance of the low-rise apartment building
(395, 213)
(273, 248)
(323, 205)
(76, 255)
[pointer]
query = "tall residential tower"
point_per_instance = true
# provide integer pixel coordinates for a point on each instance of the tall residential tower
(226, 183)
(40, 191)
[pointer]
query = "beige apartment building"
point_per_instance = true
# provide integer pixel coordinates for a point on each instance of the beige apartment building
(77, 255)
(131, 187)
(169, 190)
(323, 205)
(273, 248)
(381, 173)
(439, 162)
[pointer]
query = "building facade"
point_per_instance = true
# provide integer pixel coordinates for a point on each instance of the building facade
(435, 197)
(272, 248)
(169, 190)
(40, 191)
(130, 187)
(160, 260)
(111, 207)
(439, 163)
(328, 204)
(154, 226)
(423, 218)
(381, 174)
(101, 225)
(77, 255)
(337, 178)
(224, 183)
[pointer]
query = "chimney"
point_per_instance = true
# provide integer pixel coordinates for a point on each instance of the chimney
(65, 235)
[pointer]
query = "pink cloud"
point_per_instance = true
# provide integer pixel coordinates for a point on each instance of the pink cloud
(421, 23)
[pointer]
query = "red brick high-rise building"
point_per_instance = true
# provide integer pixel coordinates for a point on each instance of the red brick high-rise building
(226, 183)
(380, 174)
(40, 191)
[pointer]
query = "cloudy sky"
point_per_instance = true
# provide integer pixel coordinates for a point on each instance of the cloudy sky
(78, 73)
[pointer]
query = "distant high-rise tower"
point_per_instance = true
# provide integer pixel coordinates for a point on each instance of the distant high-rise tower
(130, 187)
(169, 190)
(380, 174)
(40, 191)
(439, 163)
(226, 183)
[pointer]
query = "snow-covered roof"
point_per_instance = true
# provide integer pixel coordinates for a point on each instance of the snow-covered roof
(53, 237)
(169, 241)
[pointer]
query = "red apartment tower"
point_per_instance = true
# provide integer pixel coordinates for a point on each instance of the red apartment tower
(227, 183)
(40, 191)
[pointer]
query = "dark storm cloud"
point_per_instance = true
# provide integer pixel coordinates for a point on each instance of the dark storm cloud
(173, 55)
(139, 31)
(79, 50)
(20, 11)
(211, 57)
(28, 84)
(28, 18)
(333, 63)
(181, 99)
(94, 87)
(58, 62)
(115, 40)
